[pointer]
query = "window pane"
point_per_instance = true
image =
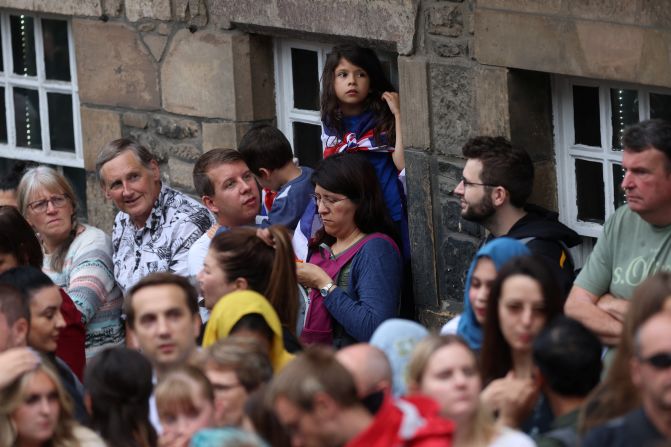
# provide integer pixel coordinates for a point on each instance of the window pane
(586, 115)
(307, 143)
(305, 79)
(56, 55)
(624, 111)
(27, 117)
(589, 186)
(660, 106)
(618, 196)
(61, 130)
(3, 118)
(23, 45)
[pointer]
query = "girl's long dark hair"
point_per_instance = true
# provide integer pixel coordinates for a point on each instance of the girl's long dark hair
(354, 177)
(119, 381)
(329, 104)
(496, 357)
(271, 271)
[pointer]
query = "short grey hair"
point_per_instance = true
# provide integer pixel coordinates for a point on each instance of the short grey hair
(115, 148)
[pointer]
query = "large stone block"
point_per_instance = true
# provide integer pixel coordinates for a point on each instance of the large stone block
(446, 20)
(422, 228)
(198, 75)
(262, 75)
(181, 174)
(392, 21)
(101, 212)
(113, 67)
(531, 125)
(148, 9)
(530, 6)
(545, 185)
(223, 135)
(451, 94)
(82, 8)
(573, 47)
(414, 93)
(98, 128)
(491, 101)
(456, 253)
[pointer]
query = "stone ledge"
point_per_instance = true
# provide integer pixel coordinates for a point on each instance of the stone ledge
(389, 21)
(84, 8)
(573, 47)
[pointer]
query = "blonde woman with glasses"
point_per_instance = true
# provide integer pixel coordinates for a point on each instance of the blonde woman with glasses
(77, 257)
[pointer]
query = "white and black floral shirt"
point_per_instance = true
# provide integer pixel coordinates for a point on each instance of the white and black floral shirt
(162, 245)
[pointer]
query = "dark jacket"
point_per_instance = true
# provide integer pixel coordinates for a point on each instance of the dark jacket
(545, 236)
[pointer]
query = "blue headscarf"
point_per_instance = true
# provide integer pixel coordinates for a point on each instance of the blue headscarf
(500, 251)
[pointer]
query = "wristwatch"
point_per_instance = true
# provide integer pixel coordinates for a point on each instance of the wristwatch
(324, 291)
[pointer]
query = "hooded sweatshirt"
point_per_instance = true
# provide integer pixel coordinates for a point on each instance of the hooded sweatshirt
(542, 232)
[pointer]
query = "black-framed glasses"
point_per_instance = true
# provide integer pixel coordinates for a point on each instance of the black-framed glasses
(57, 201)
(328, 202)
(469, 183)
(658, 361)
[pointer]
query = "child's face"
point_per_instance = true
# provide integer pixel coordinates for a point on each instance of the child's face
(182, 425)
(352, 85)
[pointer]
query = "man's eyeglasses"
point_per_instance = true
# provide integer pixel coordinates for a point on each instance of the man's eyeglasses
(57, 201)
(468, 183)
(658, 361)
(328, 202)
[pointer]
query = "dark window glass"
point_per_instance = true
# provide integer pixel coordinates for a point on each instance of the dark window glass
(56, 52)
(23, 45)
(305, 79)
(27, 118)
(624, 112)
(3, 117)
(61, 129)
(307, 144)
(618, 175)
(590, 192)
(586, 115)
(660, 106)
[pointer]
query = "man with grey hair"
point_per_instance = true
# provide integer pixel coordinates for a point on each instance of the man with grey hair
(650, 424)
(156, 225)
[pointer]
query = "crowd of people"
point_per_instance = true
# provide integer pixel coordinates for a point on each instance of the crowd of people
(268, 313)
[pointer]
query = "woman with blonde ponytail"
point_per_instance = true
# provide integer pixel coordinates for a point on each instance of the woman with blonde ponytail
(239, 259)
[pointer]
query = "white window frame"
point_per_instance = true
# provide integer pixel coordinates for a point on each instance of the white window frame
(566, 152)
(9, 80)
(287, 114)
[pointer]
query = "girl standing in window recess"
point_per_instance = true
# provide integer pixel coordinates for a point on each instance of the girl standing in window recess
(360, 112)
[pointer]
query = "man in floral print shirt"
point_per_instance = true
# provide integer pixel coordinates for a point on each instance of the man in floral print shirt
(156, 225)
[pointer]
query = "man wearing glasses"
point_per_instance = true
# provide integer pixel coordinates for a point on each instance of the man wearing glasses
(650, 424)
(496, 182)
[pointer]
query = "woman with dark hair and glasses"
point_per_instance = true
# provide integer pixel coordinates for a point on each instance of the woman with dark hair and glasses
(355, 268)
(77, 257)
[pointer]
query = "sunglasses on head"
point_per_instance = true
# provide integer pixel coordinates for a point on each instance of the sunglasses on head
(659, 361)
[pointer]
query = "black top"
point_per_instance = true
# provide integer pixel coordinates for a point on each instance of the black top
(632, 429)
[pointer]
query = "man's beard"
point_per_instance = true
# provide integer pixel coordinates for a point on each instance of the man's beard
(480, 213)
